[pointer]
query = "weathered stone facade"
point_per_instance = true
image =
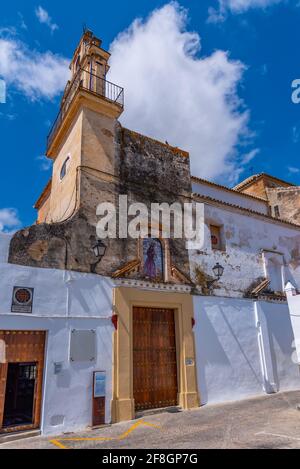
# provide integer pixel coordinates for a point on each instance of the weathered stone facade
(283, 198)
(107, 160)
(104, 162)
(285, 203)
(146, 171)
(258, 184)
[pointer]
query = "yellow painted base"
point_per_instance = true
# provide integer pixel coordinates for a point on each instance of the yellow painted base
(122, 406)
(122, 410)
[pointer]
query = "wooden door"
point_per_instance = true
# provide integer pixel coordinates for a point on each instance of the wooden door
(3, 377)
(99, 385)
(22, 347)
(98, 411)
(154, 358)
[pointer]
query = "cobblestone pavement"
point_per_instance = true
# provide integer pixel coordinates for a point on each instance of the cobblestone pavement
(271, 421)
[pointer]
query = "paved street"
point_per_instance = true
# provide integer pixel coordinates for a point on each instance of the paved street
(264, 422)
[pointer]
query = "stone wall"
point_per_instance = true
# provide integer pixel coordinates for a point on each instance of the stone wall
(142, 168)
(257, 189)
(65, 245)
(287, 201)
(257, 185)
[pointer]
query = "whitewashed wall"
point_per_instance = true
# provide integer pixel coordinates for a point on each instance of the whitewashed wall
(245, 237)
(243, 348)
(64, 301)
(4, 246)
(57, 293)
(230, 197)
(294, 309)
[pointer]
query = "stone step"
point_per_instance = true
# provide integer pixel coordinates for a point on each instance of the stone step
(170, 409)
(7, 437)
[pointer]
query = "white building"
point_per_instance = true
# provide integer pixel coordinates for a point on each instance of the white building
(63, 302)
(90, 337)
(244, 334)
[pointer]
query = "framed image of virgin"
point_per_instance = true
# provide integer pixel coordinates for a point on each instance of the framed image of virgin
(153, 261)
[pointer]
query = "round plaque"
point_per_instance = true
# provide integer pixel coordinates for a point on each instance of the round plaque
(23, 296)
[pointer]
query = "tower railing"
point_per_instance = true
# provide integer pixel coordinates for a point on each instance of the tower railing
(85, 80)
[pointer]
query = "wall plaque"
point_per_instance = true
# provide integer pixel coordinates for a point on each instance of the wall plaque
(22, 300)
(99, 383)
(83, 345)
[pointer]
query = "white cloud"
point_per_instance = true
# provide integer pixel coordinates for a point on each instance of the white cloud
(9, 31)
(9, 117)
(236, 6)
(241, 165)
(37, 75)
(44, 163)
(173, 94)
(44, 18)
(293, 170)
(264, 69)
(296, 133)
(23, 25)
(250, 156)
(9, 220)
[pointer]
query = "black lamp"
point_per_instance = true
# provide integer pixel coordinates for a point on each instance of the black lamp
(218, 271)
(99, 250)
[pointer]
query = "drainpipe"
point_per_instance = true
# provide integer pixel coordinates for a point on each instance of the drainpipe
(68, 279)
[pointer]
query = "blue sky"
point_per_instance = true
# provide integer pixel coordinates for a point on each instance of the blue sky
(233, 97)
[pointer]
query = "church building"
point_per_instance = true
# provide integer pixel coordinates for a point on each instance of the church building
(96, 331)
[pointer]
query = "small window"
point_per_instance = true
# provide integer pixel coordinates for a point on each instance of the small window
(215, 236)
(64, 168)
(78, 63)
(276, 211)
(274, 270)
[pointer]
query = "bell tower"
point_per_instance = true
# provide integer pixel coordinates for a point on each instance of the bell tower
(90, 56)
(83, 135)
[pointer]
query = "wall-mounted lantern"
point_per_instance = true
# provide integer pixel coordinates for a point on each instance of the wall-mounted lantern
(218, 271)
(99, 250)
